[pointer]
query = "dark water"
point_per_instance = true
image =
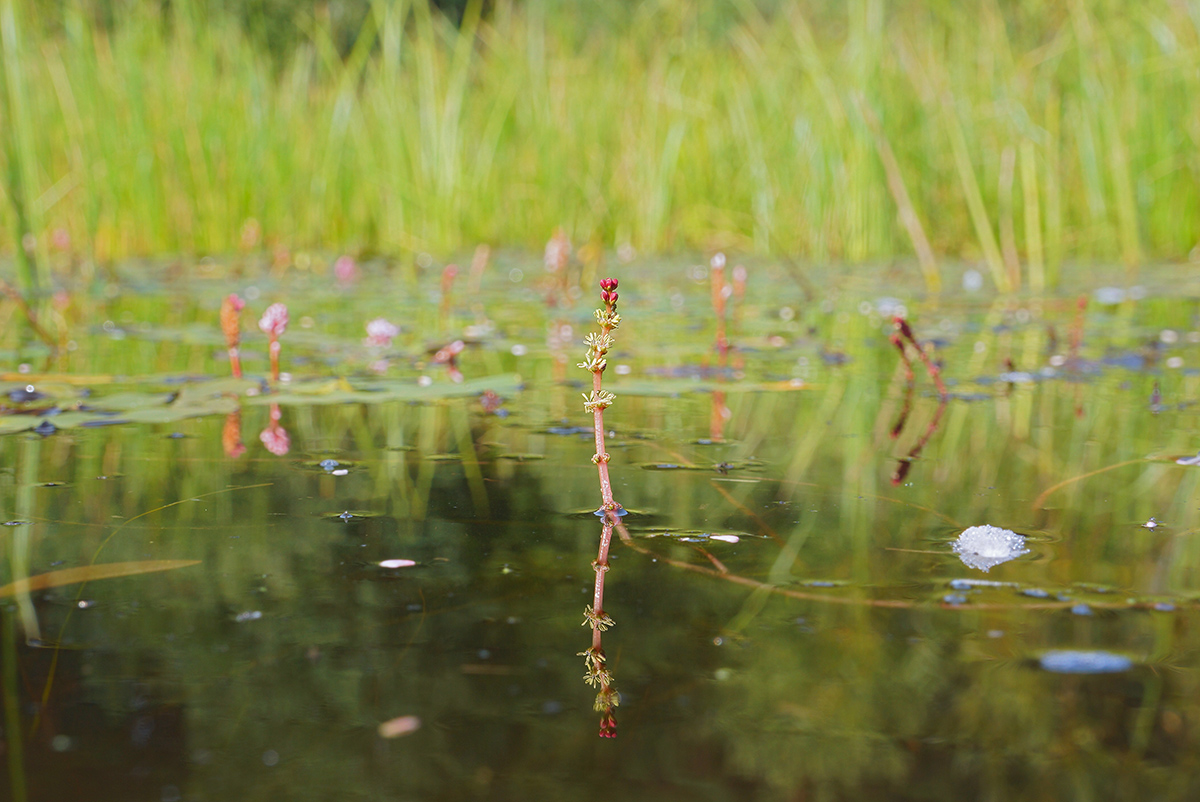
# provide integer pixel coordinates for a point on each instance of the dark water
(792, 617)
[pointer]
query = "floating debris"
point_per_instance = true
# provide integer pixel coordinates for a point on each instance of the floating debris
(404, 725)
(1188, 460)
(968, 584)
(1151, 524)
(397, 563)
(983, 547)
(521, 457)
(350, 515)
(249, 615)
(700, 536)
(1071, 661)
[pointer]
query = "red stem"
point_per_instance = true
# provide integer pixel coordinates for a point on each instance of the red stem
(607, 502)
(274, 349)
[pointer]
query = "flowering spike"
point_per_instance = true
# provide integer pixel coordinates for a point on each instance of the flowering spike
(231, 308)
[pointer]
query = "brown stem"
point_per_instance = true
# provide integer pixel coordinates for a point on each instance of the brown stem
(607, 502)
(932, 369)
(601, 568)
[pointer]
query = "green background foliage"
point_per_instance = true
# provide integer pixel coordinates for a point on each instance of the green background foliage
(1022, 132)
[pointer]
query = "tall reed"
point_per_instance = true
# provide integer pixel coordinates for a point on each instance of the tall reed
(823, 132)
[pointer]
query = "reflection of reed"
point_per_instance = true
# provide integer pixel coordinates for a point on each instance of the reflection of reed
(905, 463)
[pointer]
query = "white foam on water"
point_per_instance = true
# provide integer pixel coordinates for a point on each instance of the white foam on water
(983, 547)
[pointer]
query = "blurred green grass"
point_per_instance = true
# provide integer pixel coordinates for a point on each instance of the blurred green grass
(1018, 135)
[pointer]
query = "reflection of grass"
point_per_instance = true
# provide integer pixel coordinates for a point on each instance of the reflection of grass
(846, 652)
(1017, 129)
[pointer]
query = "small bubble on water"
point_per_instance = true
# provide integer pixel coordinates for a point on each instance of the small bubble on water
(60, 743)
(270, 758)
(718, 641)
(515, 275)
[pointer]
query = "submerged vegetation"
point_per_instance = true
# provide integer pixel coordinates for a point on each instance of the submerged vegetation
(1018, 135)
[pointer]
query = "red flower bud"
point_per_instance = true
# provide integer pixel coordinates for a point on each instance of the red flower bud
(608, 284)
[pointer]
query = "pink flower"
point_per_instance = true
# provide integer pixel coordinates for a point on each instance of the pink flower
(274, 321)
(380, 333)
(345, 269)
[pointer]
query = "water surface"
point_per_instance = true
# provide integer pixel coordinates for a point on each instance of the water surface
(792, 617)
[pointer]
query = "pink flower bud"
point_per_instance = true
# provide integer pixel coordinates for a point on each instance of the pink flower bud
(380, 333)
(274, 321)
(608, 284)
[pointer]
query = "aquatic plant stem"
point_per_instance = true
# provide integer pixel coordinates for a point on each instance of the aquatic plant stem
(934, 373)
(595, 661)
(600, 399)
(601, 458)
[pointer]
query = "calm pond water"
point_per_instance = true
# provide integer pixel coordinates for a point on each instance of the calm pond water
(386, 570)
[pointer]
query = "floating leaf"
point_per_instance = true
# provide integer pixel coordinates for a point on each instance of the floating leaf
(1071, 661)
(90, 573)
(375, 391)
